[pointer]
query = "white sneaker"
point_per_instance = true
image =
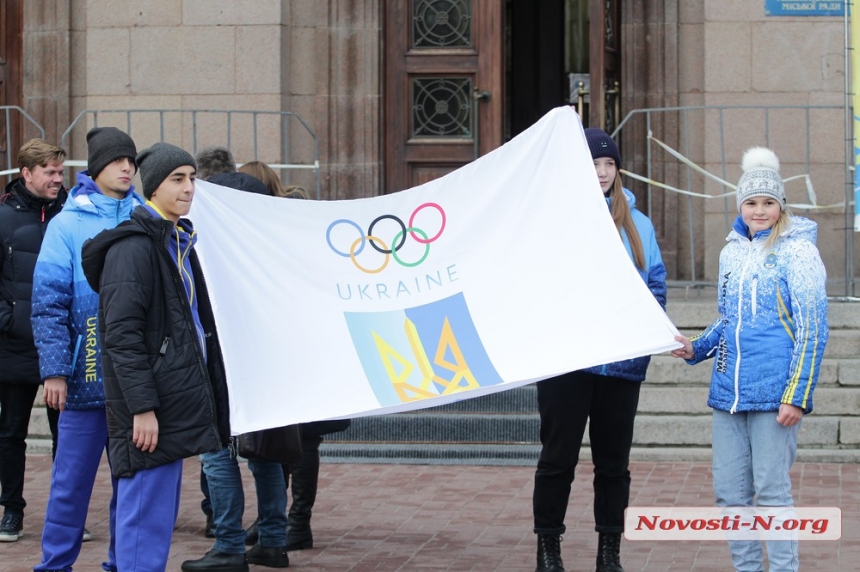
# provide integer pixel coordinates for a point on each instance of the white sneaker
(87, 535)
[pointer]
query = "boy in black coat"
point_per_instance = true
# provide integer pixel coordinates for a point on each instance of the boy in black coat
(165, 386)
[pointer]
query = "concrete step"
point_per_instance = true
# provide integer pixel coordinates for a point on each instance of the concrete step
(699, 313)
(39, 422)
(516, 400)
(829, 401)
(695, 430)
(452, 428)
(673, 422)
(527, 455)
(651, 429)
(666, 370)
(842, 344)
(38, 446)
(447, 454)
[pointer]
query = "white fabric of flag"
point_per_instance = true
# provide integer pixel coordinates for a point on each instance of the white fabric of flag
(506, 271)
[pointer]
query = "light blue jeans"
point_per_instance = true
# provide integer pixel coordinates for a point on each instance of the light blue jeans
(752, 456)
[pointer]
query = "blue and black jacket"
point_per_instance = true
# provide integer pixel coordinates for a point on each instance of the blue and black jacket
(65, 308)
(770, 337)
(654, 275)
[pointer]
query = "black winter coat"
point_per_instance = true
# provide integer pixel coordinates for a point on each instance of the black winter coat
(151, 359)
(23, 220)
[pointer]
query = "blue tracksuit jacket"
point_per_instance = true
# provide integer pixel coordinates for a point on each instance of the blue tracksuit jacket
(769, 339)
(654, 275)
(65, 308)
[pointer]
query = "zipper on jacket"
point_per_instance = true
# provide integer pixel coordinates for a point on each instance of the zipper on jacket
(738, 330)
(161, 352)
(189, 322)
(754, 296)
(75, 357)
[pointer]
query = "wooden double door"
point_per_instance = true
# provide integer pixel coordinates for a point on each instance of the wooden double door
(461, 77)
(444, 82)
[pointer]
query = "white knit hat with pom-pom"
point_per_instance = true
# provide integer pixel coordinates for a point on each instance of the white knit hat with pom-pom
(761, 176)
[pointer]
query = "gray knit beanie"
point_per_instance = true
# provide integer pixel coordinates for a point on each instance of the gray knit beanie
(157, 162)
(105, 145)
(761, 177)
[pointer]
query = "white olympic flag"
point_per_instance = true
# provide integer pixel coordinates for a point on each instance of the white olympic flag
(506, 271)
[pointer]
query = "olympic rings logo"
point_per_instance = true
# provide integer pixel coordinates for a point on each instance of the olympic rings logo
(378, 244)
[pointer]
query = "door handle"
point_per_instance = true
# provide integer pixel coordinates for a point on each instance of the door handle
(478, 95)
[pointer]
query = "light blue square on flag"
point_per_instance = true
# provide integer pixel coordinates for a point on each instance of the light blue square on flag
(421, 352)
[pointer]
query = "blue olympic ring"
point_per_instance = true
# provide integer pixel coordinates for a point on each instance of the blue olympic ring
(398, 242)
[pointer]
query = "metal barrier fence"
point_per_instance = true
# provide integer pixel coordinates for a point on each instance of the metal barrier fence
(693, 146)
(281, 139)
(30, 128)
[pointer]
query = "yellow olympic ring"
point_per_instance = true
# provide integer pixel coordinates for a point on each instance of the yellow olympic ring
(370, 238)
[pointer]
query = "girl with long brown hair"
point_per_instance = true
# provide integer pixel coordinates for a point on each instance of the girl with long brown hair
(605, 397)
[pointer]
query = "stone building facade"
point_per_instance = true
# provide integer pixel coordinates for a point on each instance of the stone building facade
(335, 63)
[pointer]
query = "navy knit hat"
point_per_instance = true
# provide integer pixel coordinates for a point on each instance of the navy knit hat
(105, 145)
(602, 145)
(157, 162)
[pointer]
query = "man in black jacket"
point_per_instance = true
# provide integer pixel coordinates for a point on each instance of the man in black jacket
(165, 384)
(26, 207)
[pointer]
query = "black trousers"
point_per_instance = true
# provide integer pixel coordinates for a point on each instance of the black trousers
(566, 403)
(16, 404)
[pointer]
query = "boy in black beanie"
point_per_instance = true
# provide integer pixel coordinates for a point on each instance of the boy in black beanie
(156, 329)
(63, 317)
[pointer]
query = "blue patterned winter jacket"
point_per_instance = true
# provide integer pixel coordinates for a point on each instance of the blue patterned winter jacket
(65, 308)
(770, 337)
(654, 275)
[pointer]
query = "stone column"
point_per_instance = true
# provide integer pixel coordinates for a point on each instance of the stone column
(334, 83)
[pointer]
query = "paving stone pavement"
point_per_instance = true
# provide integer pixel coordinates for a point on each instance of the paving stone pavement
(434, 517)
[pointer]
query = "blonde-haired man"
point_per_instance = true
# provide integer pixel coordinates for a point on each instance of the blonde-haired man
(27, 206)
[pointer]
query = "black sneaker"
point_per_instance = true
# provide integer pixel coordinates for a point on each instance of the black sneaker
(11, 527)
(269, 556)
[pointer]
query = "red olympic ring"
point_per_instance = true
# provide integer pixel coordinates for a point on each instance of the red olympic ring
(441, 228)
(358, 245)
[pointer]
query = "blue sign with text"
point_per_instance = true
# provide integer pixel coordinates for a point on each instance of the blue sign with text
(800, 8)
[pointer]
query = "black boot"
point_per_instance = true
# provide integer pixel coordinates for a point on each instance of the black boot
(549, 553)
(270, 556)
(304, 475)
(215, 561)
(609, 553)
(209, 531)
(252, 534)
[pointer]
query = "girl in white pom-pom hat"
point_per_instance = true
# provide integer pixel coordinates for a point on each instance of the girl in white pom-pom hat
(767, 347)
